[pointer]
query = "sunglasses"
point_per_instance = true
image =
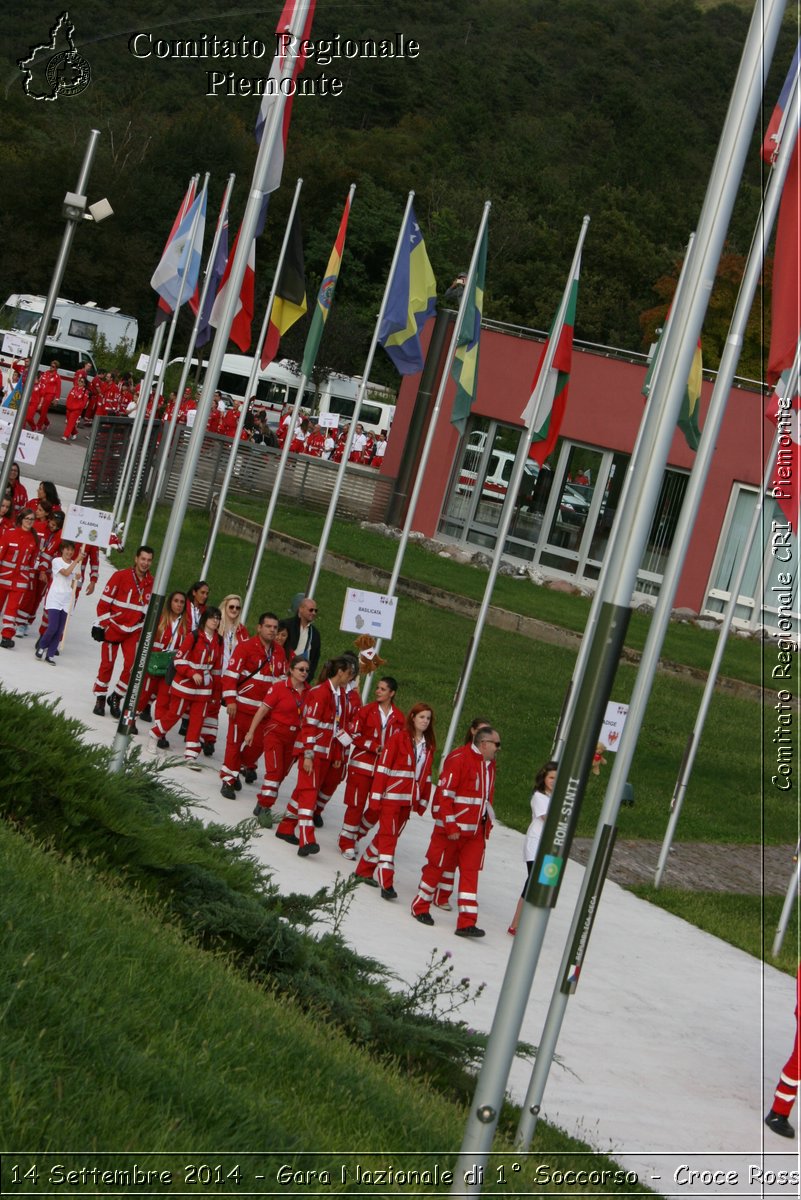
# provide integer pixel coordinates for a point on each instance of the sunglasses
(234, 607)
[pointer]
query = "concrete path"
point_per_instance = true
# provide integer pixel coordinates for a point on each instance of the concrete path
(673, 1041)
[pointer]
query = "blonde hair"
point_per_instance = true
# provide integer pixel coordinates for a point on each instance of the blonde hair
(227, 624)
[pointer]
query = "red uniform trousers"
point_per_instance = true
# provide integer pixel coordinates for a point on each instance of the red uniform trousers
(31, 600)
(304, 800)
(469, 858)
(279, 753)
(73, 417)
(379, 856)
(335, 770)
(181, 705)
(150, 691)
(787, 1089)
(237, 755)
(357, 795)
(108, 655)
(10, 601)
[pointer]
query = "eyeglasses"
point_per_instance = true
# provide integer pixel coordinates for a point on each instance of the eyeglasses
(497, 745)
(303, 670)
(234, 607)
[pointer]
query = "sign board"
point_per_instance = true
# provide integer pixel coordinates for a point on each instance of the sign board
(143, 362)
(614, 721)
(17, 344)
(90, 525)
(368, 612)
(191, 413)
(29, 443)
(328, 421)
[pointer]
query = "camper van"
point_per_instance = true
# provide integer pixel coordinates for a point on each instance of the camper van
(277, 385)
(73, 325)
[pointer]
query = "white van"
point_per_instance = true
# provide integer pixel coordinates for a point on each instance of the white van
(74, 325)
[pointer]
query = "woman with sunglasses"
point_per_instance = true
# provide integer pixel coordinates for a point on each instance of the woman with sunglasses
(232, 631)
(284, 704)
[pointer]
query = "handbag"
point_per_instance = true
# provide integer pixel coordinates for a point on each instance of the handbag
(159, 662)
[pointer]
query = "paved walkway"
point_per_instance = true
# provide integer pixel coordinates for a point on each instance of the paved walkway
(698, 867)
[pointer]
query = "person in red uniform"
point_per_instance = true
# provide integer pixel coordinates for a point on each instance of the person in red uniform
(442, 897)
(121, 613)
(90, 561)
(315, 442)
(374, 725)
(283, 706)
(6, 516)
(463, 822)
(171, 631)
(49, 547)
(322, 721)
(37, 399)
(197, 663)
(19, 496)
(402, 783)
(340, 747)
(18, 550)
(51, 390)
(76, 402)
(787, 1089)
(254, 666)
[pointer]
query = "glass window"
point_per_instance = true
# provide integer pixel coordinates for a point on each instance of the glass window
(83, 329)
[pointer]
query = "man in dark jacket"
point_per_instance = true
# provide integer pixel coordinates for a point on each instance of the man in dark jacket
(303, 637)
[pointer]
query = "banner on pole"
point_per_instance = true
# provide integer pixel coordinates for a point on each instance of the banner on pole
(17, 344)
(143, 363)
(614, 724)
(368, 612)
(329, 421)
(90, 525)
(29, 443)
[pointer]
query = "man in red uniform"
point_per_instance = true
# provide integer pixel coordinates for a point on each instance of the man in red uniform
(462, 825)
(120, 615)
(18, 550)
(253, 668)
(785, 1095)
(77, 400)
(50, 391)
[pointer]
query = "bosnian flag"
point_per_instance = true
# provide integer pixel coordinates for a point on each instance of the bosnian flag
(176, 276)
(786, 293)
(786, 483)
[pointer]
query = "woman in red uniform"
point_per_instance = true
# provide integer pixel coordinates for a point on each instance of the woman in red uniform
(284, 704)
(19, 497)
(171, 632)
(374, 725)
(197, 672)
(18, 550)
(402, 783)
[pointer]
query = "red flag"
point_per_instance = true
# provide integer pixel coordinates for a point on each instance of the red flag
(786, 303)
(785, 487)
(240, 333)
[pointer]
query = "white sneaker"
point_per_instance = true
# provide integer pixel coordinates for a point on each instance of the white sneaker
(350, 853)
(446, 907)
(192, 764)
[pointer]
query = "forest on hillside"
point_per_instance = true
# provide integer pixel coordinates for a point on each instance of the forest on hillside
(548, 108)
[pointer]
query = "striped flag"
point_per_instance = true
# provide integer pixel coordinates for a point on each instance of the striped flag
(289, 304)
(176, 276)
(691, 404)
(163, 311)
(325, 295)
(464, 370)
(545, 410)
(217, 270)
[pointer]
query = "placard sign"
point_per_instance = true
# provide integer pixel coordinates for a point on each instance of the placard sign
(614, 722)
(191, 413)
(90, 525)
(329, 421)
(17, 344)
(368, 612)
(29, 443)
(143, 362)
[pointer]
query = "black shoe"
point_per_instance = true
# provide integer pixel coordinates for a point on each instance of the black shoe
(208, 748)
(249, 775)
(389, 893)
(184, 726)
(146, 715)
(51, 662)
(99, 709)
(309, 848)
(114, 706)
(7, 643)
(133, 728)
(37, 643)
(779, 1124)
(288, 837)
(423, 918)
(470, 931)
(163, 744)
(237, 784)
(318, 821)
(39, 653)
(227, 791)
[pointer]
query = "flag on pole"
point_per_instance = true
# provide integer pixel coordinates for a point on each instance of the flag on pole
(786, 301)
(217, 270)
(163, 311)
(411, 300)
(325, 295)
(690, 405)
(175, 278)
(297, 50)
(785, 413)
(545, 410)
(464, 369)
(289, 304)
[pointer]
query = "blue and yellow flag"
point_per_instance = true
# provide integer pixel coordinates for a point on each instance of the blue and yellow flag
(411, 300)
(465, 362)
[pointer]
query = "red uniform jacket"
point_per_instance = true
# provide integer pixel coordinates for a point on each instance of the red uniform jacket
(121, 608)
(465, 791)
(370, 736)
(325, 710)
(285, 706)
(18, 550)
(395, 777)
(252, 670)
(198, 655)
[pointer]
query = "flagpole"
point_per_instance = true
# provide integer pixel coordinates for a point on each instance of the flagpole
(322, 545)
(162, 373)
(169, 433)
(542, 890)
(432, 428)
(254, 371)
(136, 432)
(257, 197)
(72, 222)
(521, 458)
(607, 820)
(279, 476)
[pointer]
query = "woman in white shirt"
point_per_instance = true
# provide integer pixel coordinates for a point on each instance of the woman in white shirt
(540, 801)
